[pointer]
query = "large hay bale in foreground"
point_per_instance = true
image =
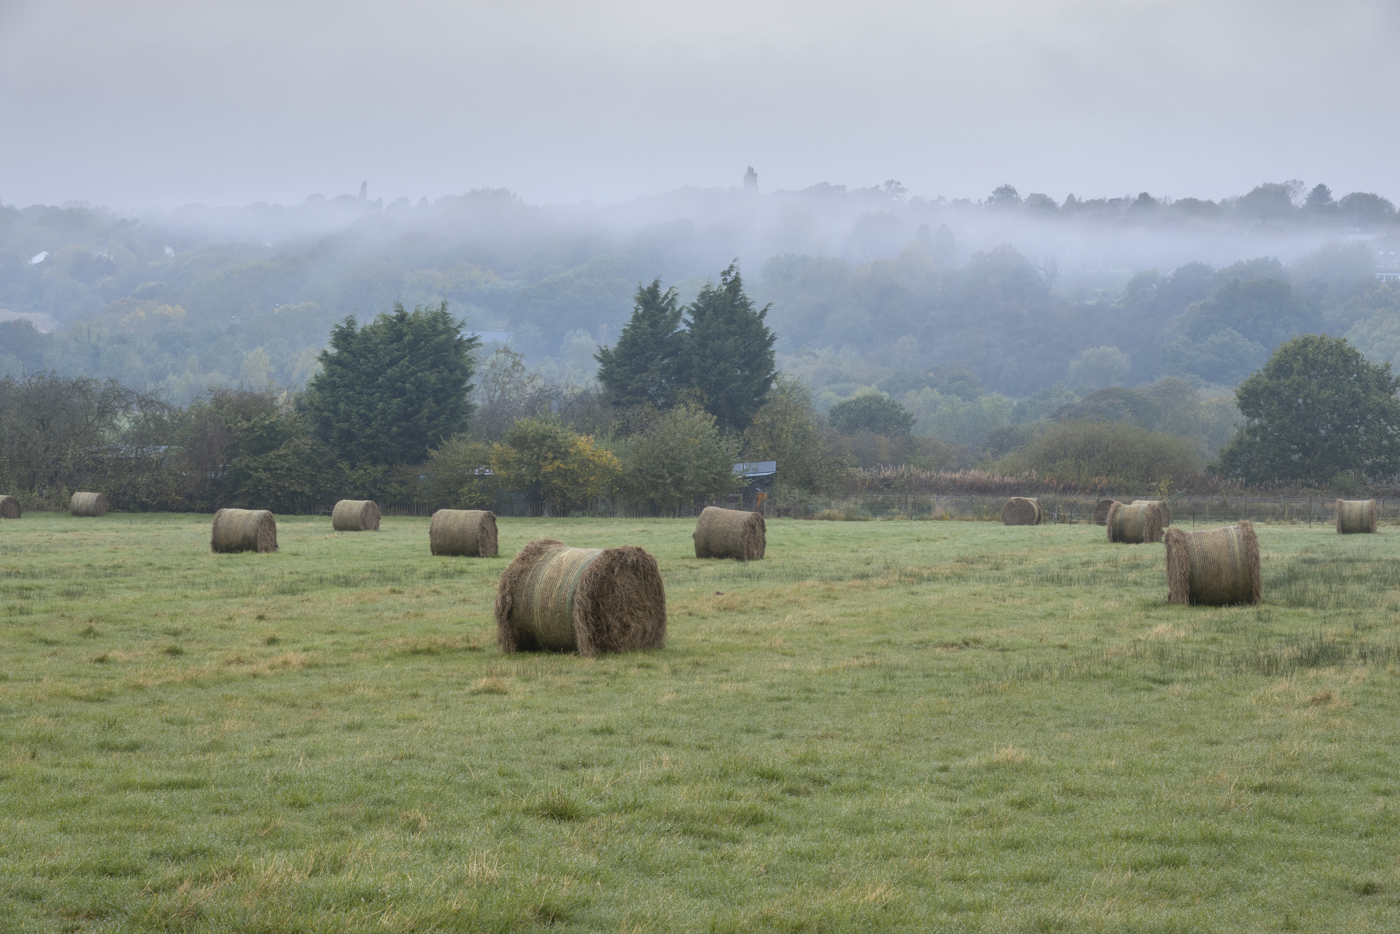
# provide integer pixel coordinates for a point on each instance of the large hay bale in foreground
(1214, 567)
(1135, 523)
(9, 507)
(730, 533)
(592, 600)
(89, 505)
(243, 530)
(1356, 515)
(1166, 510)
(355, 515)
(1021, 511)
(470, 532)
(1101, 511)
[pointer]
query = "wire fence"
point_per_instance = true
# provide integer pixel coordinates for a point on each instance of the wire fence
(1057, 509)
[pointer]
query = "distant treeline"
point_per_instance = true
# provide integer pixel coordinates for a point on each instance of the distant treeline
(867, 286)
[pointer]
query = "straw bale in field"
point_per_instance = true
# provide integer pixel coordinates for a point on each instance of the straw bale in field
(1021, 511)
(1166, 510)
(1101, 511)
(9, 507)
(1356, 515)
(589, 600)
(355, 515)
(91, 505)
(1213, 567)
(730, 533)
(243, 530)
(1135, 523)
(470, 532)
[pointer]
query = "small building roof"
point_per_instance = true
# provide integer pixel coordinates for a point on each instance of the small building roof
(756, 468)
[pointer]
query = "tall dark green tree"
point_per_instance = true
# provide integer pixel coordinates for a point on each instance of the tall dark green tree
(727, 353)
(391, 390)
(1317, 409)
(642, 368)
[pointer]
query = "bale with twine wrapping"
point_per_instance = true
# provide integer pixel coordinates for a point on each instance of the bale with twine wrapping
(1101, 511)
(9, 507)
(243, 530)
(470, 532)
(1356, 515)
(1135, 523)
(90, 505)
(355, 515)
(1166, 511)
(589, 600)
(1021, 511)
(730, 533)
(1215, 567)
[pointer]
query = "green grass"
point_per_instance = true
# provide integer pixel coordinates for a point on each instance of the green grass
(902, 726)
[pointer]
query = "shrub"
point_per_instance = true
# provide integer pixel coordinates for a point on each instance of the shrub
(554, 467)
(1121, 454)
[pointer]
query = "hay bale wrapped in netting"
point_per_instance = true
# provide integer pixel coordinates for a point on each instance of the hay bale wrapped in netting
(1214, 567)
(355, 515)
(1021, 511)
(1101, 511)
(9, 508)
(1135, 523)
(243, 530)
(470, 532)
(730, 533)
(91, 505)
(1166, 510)
(1356, 515)
(589, 600)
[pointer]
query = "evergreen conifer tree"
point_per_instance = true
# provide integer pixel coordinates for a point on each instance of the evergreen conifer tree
(391, 390)
(641, 368)
(727, 352)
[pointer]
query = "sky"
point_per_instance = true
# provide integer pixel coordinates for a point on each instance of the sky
(157, 104)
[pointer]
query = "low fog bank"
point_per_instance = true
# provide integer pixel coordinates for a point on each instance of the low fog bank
(950, 306)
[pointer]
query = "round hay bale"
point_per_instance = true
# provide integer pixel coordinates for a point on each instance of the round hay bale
(9, 507)
(355, 515)
(589, 600)
(1214, 567)
(1101, 511)
(470, 532)
(1021, 511)
(1135, 523)
(243, 530)
(1356, 515)
(730, 533)
(90, 505)
(1166, 510)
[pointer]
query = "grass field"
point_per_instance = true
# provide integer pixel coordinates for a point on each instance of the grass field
(902, 726)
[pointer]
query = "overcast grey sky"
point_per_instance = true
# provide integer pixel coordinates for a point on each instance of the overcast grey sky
(162, 103)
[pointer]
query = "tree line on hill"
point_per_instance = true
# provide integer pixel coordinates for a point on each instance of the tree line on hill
(406, 409)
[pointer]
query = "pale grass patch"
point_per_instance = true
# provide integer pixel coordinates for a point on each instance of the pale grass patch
(1274, 694)
(1178, 691)
(1166, 631)
(491, 685)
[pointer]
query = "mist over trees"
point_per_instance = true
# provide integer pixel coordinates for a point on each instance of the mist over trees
(977, 323)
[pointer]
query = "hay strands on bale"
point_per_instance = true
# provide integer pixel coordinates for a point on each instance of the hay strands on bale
(589, 600)
(730, 533)
(1101, 511)
(1021, 511)
(470, 532)
(1135, 523)
(243, 530)
(1356, 515)
(1213, 567)
(355, 515)
(9, 508)
(91, 505)
(1166, 510)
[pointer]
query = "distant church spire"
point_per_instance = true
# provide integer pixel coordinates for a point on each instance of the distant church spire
(751, 180)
